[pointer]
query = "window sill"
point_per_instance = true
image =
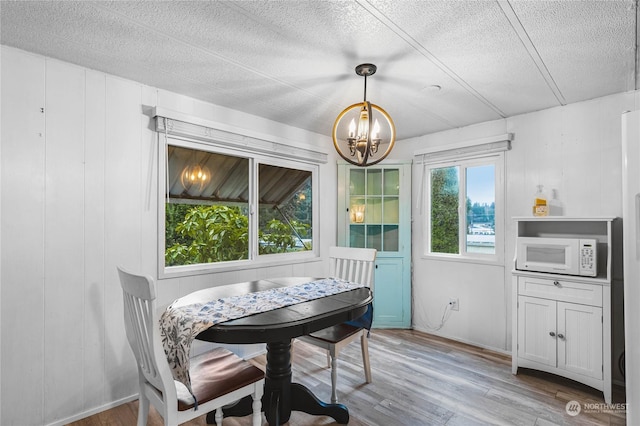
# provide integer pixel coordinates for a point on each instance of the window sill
(264, 261)
(489, 260)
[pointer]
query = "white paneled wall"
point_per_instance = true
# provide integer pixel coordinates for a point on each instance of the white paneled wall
(79, 196)
(93, 310)
(63, 236)
(23, 305)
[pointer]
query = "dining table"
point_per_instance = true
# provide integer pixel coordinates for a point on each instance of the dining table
(277, 328)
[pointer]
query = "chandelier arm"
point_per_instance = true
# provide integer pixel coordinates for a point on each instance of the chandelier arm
(367, 150)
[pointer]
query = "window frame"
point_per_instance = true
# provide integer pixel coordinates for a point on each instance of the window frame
(495, 159)
(255, 159)
(278, 162)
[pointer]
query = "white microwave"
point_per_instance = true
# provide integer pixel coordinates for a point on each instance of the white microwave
(570, 256)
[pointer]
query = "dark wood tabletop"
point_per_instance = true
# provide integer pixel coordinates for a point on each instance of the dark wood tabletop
(277, 328)
(283, 323)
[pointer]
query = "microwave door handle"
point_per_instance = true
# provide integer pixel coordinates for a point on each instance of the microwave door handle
(637, 218)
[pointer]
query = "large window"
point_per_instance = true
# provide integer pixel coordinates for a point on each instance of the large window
(464, 207)
(225, 208)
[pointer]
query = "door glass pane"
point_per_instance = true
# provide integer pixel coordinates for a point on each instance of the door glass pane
(391, 182)
(391, 210)
(374, 182)
(357, 210)
(356, 182)
(444, 209)
(390, 238)
(481, 203)
(374, 237)
(356, 236)
(374, 210)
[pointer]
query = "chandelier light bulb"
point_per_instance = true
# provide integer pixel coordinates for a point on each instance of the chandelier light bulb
(352, 128)
(376, 130)
(363, 124)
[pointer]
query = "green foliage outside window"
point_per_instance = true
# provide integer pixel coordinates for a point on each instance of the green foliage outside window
(277, 237)
(444, 210)
(207, 234)
(218, 233)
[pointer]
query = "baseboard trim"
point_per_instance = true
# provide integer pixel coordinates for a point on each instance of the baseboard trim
(93, 411)
(467, 342)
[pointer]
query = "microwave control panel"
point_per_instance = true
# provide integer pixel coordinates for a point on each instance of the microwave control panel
(588, 258)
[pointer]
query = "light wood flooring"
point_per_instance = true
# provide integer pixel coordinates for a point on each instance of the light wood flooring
(423, 380)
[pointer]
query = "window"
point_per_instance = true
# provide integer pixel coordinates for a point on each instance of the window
(374, 200)
(464, 207)
(211, 194)
(285, 213)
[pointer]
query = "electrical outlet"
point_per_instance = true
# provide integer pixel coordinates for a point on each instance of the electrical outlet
(455, 306)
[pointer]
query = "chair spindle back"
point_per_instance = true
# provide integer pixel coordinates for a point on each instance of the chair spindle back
(352, 264)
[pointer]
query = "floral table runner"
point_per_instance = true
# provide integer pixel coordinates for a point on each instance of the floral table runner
(180, 325)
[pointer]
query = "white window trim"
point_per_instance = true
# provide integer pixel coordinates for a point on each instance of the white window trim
(466, 149)
(196, 136)
(212, 133)
(465, 152)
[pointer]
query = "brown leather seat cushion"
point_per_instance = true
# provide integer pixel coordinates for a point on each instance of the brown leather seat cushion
(336, 333)
(214, 374)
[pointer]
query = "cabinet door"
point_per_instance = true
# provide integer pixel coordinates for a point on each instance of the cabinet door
(580, 339)
(390, 305)
(537, 330)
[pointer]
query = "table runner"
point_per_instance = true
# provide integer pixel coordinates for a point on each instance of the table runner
(179, 326)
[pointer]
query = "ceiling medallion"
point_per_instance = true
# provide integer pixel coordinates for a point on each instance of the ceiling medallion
(363, 133)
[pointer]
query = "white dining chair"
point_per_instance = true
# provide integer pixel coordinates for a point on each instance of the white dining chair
(218, 377)
(355, 265)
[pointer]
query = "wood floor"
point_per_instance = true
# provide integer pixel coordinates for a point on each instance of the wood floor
(422, 380)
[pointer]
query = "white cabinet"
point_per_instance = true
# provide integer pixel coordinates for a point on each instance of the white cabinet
(562, 323)
(561, 335)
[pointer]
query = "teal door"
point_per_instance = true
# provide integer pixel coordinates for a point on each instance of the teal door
(374, 211)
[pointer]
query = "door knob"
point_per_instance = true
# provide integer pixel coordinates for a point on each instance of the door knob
(560, 335)
(552, 334)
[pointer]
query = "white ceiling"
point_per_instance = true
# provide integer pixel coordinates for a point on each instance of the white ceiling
(293, 61)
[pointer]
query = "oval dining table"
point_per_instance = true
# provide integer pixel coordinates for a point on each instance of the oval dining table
(277, 328)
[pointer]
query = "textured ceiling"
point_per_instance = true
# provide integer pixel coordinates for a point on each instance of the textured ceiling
(293, 61)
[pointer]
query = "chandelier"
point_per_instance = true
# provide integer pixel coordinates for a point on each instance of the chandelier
(195, 178)
(363, 133)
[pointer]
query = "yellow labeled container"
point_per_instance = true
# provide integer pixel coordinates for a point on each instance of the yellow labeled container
(540, 207)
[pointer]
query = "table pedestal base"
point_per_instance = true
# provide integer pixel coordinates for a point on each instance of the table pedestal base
(281, 396)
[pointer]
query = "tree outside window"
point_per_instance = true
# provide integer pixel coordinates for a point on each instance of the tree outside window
(445, 221)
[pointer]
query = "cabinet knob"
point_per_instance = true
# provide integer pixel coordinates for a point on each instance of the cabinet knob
(552, 334)
(556, 283)
(560, 336)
